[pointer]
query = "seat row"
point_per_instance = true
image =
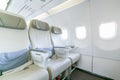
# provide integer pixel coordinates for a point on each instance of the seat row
(37, 53)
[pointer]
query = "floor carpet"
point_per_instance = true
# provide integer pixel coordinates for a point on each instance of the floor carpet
(80, 75)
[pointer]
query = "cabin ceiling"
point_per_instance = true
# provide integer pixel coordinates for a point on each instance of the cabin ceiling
(31, 8)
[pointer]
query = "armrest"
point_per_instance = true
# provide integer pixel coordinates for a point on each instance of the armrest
(75, 49)
(60, 47)
(64, 51)
(61, 51)
(40, 58)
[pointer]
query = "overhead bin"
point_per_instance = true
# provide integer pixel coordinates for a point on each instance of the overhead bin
(32, 8)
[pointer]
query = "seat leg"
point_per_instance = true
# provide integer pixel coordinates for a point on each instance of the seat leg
(67, 74)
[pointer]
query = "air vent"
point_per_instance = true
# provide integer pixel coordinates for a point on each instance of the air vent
(43, 0)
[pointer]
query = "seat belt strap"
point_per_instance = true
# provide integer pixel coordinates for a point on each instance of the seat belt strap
(0, 73)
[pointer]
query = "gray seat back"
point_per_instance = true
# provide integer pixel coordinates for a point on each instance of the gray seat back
(40, 36)
(13, 41)
(59, 45)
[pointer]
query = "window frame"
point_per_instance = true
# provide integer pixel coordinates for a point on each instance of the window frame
(77, 32)
(103, 35)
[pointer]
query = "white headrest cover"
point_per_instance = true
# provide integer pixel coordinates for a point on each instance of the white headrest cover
(40, 25)
(10, 20)
(56, 30)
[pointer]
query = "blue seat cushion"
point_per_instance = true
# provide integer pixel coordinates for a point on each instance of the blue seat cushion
(12, 60)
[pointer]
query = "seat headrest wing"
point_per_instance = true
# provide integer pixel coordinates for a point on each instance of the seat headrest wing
(40, 25)
(10, 20)
(56, 30)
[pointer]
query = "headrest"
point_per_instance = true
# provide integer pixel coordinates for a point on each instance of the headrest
(56, 30)
(39, 25)
(10, 20)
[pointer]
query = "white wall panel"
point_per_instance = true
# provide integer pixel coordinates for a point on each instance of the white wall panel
(81, 17)
(105, 11)
(85, 63)
(106, 67)
(106, 53)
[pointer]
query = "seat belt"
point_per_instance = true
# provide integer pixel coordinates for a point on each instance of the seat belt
(59, 78)
(0, 73)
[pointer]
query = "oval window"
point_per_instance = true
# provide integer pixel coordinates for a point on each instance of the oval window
(108, 30)
(81, 32)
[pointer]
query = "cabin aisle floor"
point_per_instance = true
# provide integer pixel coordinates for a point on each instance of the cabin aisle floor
(80, 75)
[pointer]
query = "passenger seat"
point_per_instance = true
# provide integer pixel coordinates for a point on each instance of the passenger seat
(60, 46)
(39, 34)
(14, 50)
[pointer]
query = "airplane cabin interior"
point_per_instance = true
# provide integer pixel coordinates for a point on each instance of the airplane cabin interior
(59, 40)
